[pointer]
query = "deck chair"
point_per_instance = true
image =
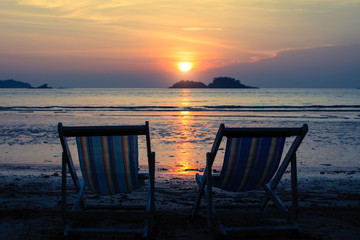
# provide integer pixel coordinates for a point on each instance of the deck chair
(108, 159)
(252, 161)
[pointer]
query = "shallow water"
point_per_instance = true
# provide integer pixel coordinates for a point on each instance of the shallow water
(183, 123)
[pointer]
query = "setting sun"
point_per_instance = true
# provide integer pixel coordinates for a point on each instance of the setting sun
(185, 66)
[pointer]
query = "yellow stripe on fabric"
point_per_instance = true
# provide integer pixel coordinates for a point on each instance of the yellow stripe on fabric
(107, 166)
(252, 154)
(233, 148)
(126, 152)
(269, 161)
(86, 161)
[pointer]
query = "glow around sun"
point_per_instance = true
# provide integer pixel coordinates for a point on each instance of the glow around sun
(184, 66)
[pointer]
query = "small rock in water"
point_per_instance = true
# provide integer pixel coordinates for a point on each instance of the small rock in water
(163, 169)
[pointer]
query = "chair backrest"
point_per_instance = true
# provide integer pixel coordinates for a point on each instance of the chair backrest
(109, 163)
(252, 155)
(108, 155)
(250, 162)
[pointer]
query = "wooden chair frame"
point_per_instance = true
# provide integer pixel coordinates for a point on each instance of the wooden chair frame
(68, 165)
(205, 181)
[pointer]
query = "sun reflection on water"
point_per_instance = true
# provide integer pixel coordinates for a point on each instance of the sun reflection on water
(185, 100)
(184, 114)
(185, 154)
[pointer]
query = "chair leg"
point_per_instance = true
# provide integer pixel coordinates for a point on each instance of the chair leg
(205, 187)
(146, 230)
(63, 185)
(275, 198)
(213, 221)
(280, 205)
(79, 197)
(150, 210)
(294, 188)
(67, 229)
(209, 195)
(201, 185)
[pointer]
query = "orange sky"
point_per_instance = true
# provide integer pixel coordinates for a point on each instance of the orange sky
(121, 37)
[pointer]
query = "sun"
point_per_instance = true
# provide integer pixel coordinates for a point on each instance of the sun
(184, 66)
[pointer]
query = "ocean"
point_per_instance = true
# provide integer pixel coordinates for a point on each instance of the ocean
(183, 122)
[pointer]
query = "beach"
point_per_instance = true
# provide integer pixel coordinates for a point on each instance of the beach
(328, 159)
(30, 206)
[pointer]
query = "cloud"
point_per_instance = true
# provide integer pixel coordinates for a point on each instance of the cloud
(200, 29)
(332, 66)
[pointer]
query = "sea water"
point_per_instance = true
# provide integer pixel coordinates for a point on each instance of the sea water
(183, 122)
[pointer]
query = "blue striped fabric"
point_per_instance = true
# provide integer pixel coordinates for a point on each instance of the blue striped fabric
(249, 163)
(109, 164)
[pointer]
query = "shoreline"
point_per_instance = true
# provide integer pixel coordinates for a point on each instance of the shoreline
(30, 204)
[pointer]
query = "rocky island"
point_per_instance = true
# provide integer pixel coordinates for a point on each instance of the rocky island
(188, 84)
(11, 83)
(219, 82)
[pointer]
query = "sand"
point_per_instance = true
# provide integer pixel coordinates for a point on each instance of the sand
(329, 200)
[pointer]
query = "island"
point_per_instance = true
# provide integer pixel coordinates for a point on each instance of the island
(44, 86)
(218, 82)
(188, 84)
(11, 83)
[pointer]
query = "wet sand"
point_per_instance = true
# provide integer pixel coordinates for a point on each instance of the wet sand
(329, 201)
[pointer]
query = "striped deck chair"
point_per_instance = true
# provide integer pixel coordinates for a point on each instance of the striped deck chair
(252, 160)
(108, 159)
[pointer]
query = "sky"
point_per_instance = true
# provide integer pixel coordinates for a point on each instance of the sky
(140, 43)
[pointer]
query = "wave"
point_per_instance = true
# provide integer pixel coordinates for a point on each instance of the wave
(285, 108)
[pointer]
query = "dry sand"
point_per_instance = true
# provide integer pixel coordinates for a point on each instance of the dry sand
(30, 200)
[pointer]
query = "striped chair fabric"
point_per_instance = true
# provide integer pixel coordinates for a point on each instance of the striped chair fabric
(109, 164)
(249, 163)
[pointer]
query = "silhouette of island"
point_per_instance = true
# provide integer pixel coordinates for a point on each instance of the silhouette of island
(189, 84)
(45, 85)
(218, 82)
(11, 83)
